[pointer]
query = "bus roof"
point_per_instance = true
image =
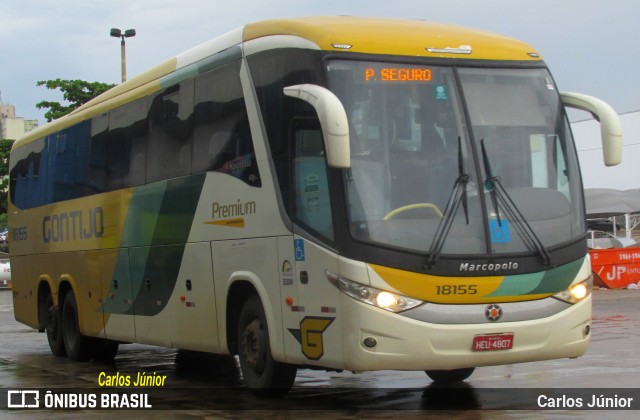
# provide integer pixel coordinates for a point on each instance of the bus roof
(395, 37)
(337, 33)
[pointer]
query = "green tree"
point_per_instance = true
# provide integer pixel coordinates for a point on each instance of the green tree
(5, 148)
(76, 92)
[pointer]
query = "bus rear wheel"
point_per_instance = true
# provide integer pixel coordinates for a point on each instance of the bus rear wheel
(53, 328)
(262, 375)
(78, 347)
(449, 376)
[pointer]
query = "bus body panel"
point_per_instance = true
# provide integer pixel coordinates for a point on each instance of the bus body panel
(406, 344)
(73, 268)
(192, 303)
(254, 261)
(112, 267)
(28, 273)
(150, 278)
(480, 289)
(94, 222)
(228, 209)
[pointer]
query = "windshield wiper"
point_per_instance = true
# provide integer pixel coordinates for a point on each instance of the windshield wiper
(489, 184)
(500, 196)
(458, 196)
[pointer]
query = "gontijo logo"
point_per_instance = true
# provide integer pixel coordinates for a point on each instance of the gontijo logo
(73, 225)
(310, 335)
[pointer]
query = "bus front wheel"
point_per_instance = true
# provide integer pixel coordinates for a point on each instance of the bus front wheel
(78, 347)
(263, 375)
(449, 376)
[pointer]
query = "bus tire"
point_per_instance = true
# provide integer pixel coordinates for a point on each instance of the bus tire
(103, 350)
(53, 328)
(264, 376)
(449, 376)
(78, 347)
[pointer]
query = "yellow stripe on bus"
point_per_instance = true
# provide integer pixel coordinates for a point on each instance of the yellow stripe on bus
(449, 290)
(239, 222)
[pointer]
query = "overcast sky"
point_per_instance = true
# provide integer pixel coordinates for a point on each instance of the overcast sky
(590, 45)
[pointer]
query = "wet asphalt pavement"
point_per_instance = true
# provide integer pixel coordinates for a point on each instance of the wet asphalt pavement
(205, 386)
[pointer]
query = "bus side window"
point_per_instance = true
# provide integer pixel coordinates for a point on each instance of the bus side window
(222, 140)
(169, 152)
(68, 162)
(312, 203)
(125, 145)
(27, 174)
(97, 172)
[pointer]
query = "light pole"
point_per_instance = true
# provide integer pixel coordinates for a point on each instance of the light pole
(117, 33)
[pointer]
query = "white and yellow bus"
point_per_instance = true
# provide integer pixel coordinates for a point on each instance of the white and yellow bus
(332, 192)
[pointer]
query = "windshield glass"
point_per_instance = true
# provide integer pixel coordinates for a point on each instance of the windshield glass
(517, 116)
(417, 176)
(406, 126)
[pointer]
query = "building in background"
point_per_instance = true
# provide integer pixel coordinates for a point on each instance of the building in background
(12, 127)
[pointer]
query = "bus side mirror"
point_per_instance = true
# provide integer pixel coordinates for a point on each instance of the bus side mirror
(333, 121)
(610, 126)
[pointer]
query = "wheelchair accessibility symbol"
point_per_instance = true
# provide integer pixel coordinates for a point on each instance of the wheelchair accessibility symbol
(299, 249)
(500, 232)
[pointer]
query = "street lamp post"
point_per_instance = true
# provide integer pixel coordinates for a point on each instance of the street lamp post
(117, 33)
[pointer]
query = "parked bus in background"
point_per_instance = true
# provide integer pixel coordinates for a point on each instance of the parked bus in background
(329, 192)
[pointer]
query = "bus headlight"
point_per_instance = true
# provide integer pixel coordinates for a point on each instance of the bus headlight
(382, 299)
(576, 292)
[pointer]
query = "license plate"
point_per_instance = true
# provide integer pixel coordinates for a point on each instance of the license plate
(493, 342)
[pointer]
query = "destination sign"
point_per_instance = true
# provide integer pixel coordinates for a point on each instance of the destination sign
(397, 74)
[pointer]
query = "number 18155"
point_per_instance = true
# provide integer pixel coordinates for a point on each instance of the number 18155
(457, 289)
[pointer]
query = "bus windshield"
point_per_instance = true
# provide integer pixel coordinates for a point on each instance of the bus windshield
(478, 159)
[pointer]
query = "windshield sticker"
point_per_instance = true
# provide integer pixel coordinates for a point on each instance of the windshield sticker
(500, 232)
(441, 92)
(311, 182)
(549, 84)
